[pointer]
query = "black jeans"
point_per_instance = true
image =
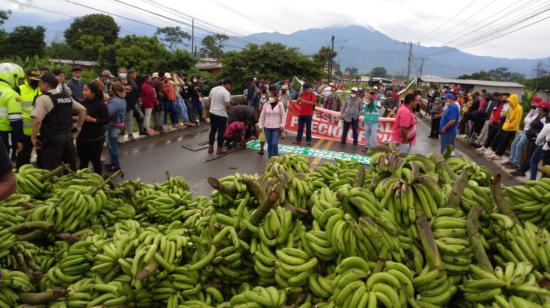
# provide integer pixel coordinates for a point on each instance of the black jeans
(138, 115)
(89, 151)
(217, 127)
(6, 140)
(434, 132)
(355, 131)
(56, 151)
(504, 141)
(24, 157)
(492, 134)
(304, 121)
(525, 164)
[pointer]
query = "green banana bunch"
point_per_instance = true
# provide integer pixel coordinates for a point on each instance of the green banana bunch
(529, 201)
(83, 177)
(7, 241)
(293, 267)
(175, 185)
(476, 173)
(260, 297)
(451, 238)
(322, 200)
(276, 227)
(29, 181)
(433, 288)
(74, 264)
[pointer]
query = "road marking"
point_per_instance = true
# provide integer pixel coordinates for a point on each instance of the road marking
(316, 161)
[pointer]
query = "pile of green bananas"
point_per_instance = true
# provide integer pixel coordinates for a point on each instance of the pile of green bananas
(530, 201)
(410, 231)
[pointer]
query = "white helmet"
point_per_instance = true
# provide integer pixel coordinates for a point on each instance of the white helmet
(11, 73)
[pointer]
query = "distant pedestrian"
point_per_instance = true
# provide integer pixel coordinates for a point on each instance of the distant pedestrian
(390, 105)
(307, 102)
(89, 143)
(76, 85)
(371, 117)
(350, 114)
(521, 140)
(148, 102)
(117, 113)
(404, 125)
(332, 101)
(542, 152)
(284, 96)
(436, 109)
(62, 87)
(220, 103)
(449, 122)
(272, 123)
(509, 128)
(250, 92)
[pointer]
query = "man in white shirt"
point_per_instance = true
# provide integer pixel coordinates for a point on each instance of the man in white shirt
(220, 102)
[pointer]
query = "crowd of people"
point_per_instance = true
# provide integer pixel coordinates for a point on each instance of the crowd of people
(495, 124)
(69, 121)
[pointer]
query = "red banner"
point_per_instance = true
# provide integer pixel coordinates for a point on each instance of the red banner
(328, 124)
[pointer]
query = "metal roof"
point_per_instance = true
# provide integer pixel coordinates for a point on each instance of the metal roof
(74, 62)
(487, 83)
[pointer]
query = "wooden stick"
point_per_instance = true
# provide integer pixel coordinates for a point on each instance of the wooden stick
(502, 205)
(472, 224)
(222, 155)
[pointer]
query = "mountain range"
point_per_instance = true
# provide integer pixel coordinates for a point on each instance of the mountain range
(366, 48)
(357, 46)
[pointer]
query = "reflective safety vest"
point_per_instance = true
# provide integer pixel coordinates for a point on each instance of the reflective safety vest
(10, 107)
(28, 95)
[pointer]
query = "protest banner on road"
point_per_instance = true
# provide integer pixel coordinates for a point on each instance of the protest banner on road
(328, 124)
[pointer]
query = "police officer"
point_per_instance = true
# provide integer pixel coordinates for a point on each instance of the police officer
(11, 120)
(29, 91)
(52, 119)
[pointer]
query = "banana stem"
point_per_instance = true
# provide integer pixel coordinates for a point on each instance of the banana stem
(458, 190)
(256, 189)
(258, 215)
(43, 297)
(147, 270)
(381, 260)
(502, 205)
(472, 224)
(31, 226)
(427, 239)
(54, 172)
(360, 178)
(230, 189)
(107, 180)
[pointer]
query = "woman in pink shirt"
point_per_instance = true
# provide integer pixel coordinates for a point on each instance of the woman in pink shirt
(272, 122)
(404, 126)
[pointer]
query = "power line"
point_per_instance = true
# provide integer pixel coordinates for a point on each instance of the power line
(236, 12)
(494, 18)
(464, 20)
(444, 23)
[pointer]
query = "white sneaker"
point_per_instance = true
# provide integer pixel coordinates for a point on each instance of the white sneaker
(489, 153)
(481, 150)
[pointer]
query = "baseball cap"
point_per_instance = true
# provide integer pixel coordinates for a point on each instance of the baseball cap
(449, 96)
(537, 100)
(131, 71)
(284, 87)
(167, 75)
(155, 75)
(77, 69)
(545, 105)
(354, 89)
(107, 73)
(33, 74)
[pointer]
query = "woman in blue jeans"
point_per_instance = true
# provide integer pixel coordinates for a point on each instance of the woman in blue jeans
(117, 111)
(370, 112)
(272, 122)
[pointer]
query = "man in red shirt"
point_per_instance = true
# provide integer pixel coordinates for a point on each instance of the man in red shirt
(307, 104)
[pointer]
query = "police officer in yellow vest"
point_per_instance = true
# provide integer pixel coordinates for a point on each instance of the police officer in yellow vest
(29, 91)
(11, 119)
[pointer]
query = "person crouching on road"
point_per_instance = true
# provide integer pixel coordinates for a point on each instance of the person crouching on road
(272, 123)
(52, 117)
(235, 134)
(117, 113)
(350, 113)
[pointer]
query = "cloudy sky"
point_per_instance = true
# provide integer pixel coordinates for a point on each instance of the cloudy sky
(466, 25)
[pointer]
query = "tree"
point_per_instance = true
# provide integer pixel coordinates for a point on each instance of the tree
(96, 29)
(177, 61)
(323, 56)
(61, 50)
(497, 74)
(379, 71)
(25, 41)
(172, 37)
(212, 46)
(4, 16)
(270, 60)
(352, 71)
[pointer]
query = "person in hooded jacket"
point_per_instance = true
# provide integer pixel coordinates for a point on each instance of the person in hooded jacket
(509, 128)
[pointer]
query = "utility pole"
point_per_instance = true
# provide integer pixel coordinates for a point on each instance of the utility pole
(409, 60)
(421, 66)
(330, 60)
(193, 35)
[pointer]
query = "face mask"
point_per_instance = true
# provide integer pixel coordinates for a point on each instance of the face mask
(194, 80)
(76, 78)
(185, 87)
(272, 99)
(122, 75)
(353, 95)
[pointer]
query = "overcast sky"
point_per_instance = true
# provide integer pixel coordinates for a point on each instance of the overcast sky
(430, 22)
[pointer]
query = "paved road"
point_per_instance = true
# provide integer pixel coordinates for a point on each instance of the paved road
(149, 158)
